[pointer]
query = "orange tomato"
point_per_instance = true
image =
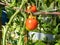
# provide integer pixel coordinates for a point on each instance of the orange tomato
(31, 23)
(31, 9)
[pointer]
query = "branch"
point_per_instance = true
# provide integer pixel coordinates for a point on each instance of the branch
(1, 3)
(4, 4)
(38, 13)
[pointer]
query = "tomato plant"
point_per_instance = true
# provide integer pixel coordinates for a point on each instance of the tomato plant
(20, 21)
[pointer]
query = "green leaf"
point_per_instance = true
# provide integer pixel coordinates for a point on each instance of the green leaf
(50, 8)
(39, 43)
(44, 7)
(55, 31)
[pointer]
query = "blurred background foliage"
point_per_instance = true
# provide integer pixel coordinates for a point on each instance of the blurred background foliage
(47, 23)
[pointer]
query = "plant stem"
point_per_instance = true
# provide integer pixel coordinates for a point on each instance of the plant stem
(4, 33)
(21, 39)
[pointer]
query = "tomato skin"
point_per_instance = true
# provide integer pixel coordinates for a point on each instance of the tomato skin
(31, 9)
(31, 24)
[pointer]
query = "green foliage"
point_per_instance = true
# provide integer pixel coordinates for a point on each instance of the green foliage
(16, 25)
(39, 43)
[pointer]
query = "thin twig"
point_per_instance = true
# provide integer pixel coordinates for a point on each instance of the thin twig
(1, 3)
(0, 30)
(4, 4)
(38, 13)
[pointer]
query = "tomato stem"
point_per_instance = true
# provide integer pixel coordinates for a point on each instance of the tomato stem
(7, 25)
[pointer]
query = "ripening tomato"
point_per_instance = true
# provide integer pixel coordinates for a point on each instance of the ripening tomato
(31, 9)
(31, 23)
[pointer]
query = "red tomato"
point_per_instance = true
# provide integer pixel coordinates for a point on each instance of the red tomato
(31, 9)
(31, 24)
